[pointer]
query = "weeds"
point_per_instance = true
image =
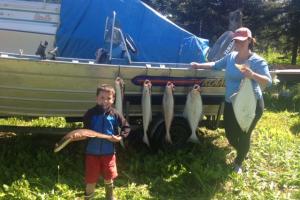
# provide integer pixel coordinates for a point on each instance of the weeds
(29, 168)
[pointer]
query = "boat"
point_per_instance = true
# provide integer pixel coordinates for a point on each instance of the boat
(62, 81)
(24, 24)
(66, 87)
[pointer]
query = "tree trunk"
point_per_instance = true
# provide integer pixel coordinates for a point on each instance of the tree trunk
(295, 51)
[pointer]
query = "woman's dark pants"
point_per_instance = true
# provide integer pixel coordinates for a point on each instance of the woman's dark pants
(239, 139)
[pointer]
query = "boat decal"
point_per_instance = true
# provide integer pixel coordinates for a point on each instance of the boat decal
(180, 81)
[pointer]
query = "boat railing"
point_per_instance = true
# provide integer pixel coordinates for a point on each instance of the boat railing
(92, 61)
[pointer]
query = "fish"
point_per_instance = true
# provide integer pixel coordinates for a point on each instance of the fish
(193, 110)
(168, 107)
(119, 87)
(146, 109)
(75, 135)
(244, 104)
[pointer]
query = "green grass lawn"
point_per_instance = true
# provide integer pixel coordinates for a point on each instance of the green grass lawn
(30, 169)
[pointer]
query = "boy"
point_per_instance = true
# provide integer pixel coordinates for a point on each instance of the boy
(100, 151)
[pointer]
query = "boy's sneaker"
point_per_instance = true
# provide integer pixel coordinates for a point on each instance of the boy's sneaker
(238, 169)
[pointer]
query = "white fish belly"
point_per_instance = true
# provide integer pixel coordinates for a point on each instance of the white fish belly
(118, 101)
(119, 105)
(168, 107)
(193, 112)
(244, 105)
(147, 116)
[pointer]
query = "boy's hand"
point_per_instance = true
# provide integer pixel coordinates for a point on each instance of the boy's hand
(125, 132)
(115, 138)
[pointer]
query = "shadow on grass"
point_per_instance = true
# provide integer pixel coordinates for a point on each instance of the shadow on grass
(196, 171)
(32, 157)
(295, 129)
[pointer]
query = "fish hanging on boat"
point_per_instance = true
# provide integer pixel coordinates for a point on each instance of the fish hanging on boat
(119, 87)
(168, 107)
(75, 135)
(193, 110)
(146, 109)
(244, 104)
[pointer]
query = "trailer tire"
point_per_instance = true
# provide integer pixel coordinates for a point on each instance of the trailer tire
(180, 132)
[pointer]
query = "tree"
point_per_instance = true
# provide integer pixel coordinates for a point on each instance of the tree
(294, 28)
(275, 23)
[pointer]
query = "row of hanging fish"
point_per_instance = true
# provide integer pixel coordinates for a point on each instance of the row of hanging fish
(244, 103)
(192, 111)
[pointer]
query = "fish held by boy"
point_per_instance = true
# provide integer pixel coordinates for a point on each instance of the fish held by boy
(77, 135)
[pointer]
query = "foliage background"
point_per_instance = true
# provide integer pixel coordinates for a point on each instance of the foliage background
(274, 23)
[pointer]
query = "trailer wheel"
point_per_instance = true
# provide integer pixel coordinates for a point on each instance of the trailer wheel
(180, 132)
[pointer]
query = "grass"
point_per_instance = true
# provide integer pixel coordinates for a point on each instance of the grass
(30, 169)
(49, 122)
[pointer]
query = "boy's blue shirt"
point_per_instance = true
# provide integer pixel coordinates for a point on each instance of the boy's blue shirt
(233, 76)
(105, 122)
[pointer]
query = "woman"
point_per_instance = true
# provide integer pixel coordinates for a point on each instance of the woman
(254, 68)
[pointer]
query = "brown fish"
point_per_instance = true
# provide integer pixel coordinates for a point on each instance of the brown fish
(75, 135)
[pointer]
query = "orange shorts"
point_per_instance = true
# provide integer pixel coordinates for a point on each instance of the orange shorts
(96, 166)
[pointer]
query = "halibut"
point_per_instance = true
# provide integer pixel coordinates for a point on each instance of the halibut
(193, 110)
(244, 104)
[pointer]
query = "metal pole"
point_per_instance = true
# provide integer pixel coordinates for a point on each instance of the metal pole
(112, 35)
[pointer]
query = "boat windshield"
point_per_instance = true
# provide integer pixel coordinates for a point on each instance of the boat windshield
(116, 43)
(116, 36)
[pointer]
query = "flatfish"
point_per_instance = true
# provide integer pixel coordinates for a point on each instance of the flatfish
(75, 135)
(193, 110)
(244, 104)
(168, 107)
(119, 87)
(146, 109)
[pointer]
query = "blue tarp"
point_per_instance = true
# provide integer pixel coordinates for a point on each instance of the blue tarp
(157, 39)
